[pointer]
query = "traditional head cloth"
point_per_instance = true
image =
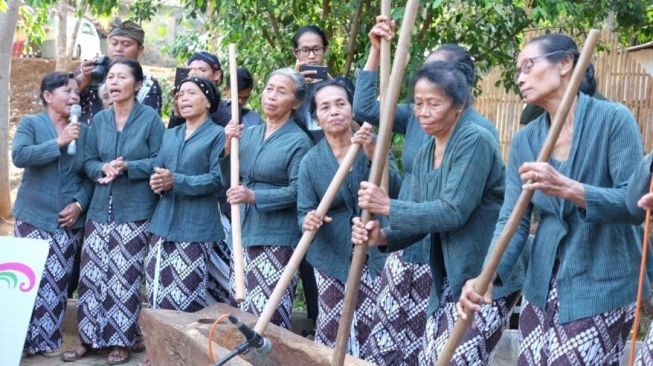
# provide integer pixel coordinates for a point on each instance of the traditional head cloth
(127, 29)
(209, 58)
(208, 89)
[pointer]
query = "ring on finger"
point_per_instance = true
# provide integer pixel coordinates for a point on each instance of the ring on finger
(535, 177)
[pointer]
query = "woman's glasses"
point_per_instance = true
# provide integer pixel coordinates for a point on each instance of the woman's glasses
(317, 51)
(528, 63)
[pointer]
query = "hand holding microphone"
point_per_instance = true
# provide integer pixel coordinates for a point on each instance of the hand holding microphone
(72, 130)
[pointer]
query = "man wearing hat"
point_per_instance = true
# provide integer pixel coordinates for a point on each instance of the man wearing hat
(205, 65)
(126, 40)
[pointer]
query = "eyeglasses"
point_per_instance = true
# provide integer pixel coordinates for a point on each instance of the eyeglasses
(528, 63)
(317, 51)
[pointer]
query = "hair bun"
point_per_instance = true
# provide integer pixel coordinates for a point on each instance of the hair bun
(467, 70)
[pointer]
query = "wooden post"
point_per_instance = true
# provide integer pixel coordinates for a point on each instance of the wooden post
(237, 241)
(489, 271)
(307, 238)
(384, 76)
(376, 171)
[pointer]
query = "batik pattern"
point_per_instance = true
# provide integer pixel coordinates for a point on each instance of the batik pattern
(400, 313)
(263, 268)
(44, 332)
(177, 274)
(110, 282)
(479, 340)
(596, 340)
(331, 296)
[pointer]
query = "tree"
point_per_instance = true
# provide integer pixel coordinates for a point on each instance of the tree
(8, 20)
(491, 29)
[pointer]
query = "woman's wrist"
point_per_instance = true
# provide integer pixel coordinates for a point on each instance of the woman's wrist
(575, 192)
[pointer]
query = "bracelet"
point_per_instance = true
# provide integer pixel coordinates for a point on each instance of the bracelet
(79, 205)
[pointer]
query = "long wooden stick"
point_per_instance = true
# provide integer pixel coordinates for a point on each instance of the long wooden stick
(384, 76)
(640, 284)
(307, 238)
(378, 162)
(236, 230)
(488, 273)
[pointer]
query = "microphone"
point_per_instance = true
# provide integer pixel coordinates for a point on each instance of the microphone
(256, 341)
(75, 113)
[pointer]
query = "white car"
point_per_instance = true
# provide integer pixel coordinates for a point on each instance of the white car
(87, 44)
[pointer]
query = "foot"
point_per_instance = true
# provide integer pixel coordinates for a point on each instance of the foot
(118, 356)
(53, 353)
(80, 351)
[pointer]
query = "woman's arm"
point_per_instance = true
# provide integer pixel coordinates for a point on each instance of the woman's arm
(201, 184)
(26, 153)
(143, 168)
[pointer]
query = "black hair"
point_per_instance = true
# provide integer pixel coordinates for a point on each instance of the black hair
(561, 46)
(245, 79)
(447, 76)
(337, 82)
(52, 81)
(455, 53)
(136, 69)
(309, 29)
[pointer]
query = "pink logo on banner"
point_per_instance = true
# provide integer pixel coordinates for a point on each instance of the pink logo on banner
(8, 274)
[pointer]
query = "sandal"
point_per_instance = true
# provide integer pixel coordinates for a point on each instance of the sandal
(81, 351)
(118, 356)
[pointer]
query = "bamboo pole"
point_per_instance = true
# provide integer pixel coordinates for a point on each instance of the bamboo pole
(489, 271)
(384, 76)
(307, 238)
(236, 234)
(376, 171)
(640, 283)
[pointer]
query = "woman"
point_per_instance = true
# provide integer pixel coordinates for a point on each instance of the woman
(122, 144)
(186, 223)
(398, 332)
(310, 45)
(583, 245)
(451, 200)
(269, 166)
(330, 253)
(51, 201)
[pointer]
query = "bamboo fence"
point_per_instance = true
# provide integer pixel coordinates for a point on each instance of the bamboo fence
(620, 77)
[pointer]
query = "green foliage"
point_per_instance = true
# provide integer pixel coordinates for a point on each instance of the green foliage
(186, 44)
(33, 21)
(143, 10)
(3, 6)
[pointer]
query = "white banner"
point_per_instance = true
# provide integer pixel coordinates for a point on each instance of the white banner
(21, 266)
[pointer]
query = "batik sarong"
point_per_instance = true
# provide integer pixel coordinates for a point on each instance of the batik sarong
(479, 340)
(331, 296)
(44, 332)
(596, 340)
(400, 313)
(110, 282)
(177, 274)
(263, 268)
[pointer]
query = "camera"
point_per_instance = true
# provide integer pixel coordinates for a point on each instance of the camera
(100, 70)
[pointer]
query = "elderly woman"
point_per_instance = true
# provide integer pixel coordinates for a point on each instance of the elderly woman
(186, 223)
(580, 286)
(398, 331)
(122, 144)
(330, 253)
(451, 201)
(51, 200)
(269, 166)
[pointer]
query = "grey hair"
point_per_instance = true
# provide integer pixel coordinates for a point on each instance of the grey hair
(297, 78)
